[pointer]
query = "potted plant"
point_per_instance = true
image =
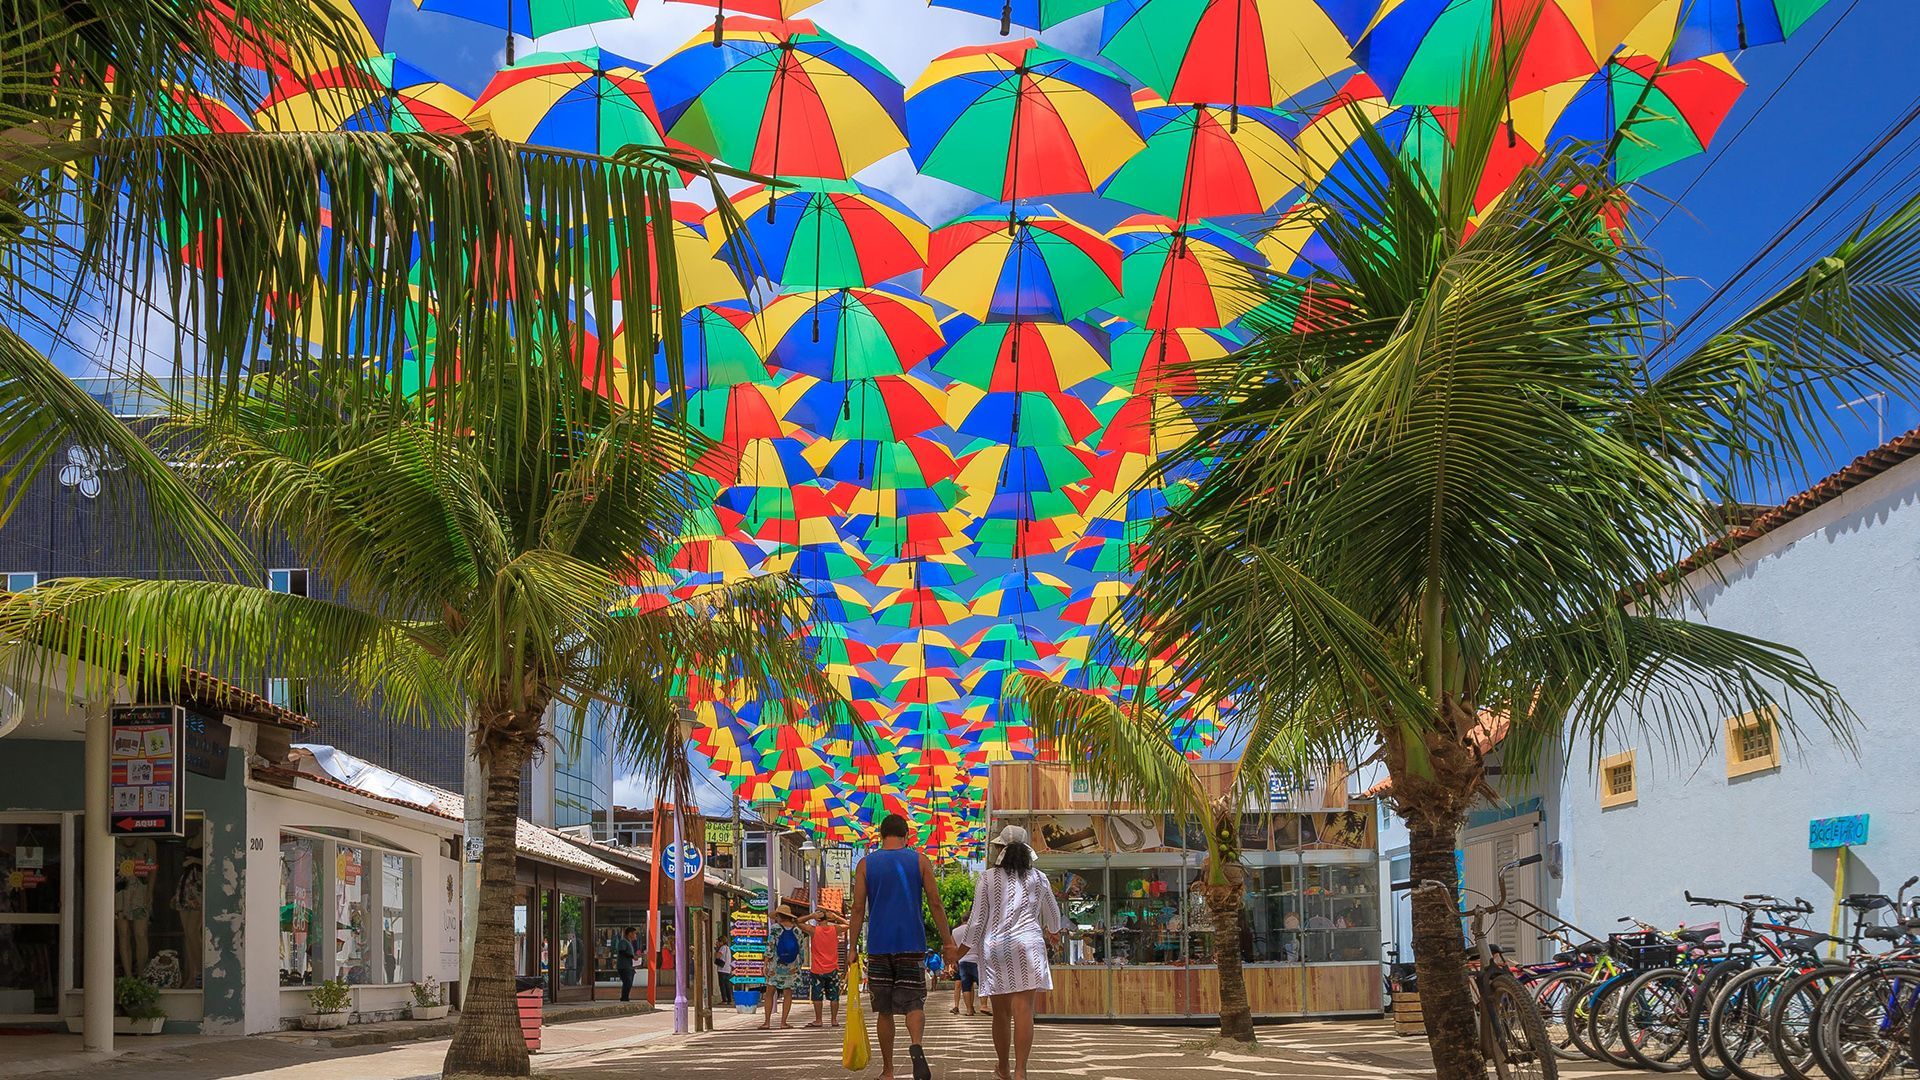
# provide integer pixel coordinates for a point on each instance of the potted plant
(328, 1006)
(426, 1000)
(137, 1005)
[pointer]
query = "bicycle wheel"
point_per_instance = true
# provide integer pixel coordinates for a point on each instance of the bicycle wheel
(1551, 993)
(1705, 1063)
(1603, 1023)
(1577, 1016)
(1737, 1031)
(1865, 1025)
(1653, 1019)
(1519, 1033)
(1794, 1028)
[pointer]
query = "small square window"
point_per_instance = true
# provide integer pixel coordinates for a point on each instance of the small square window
(1619, 780)
(1753, 743)
(293, 582)
(21, 581)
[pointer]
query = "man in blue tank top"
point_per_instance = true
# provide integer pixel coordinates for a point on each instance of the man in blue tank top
(888, 886)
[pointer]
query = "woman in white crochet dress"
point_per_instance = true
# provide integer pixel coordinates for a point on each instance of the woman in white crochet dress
(1014, 925)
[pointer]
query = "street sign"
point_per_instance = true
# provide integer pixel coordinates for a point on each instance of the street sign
(143, 784)
(1837, 832)
(681, 863)
(205, 745)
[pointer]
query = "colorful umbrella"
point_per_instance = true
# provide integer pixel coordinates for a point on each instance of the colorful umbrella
(847, 334)
(1641, 115)
(887, 408)
(1046, 267)
(1225, 52)
(531, 18)
(913, 462)
(1704, 27)
(827, 234)
(1048, 357)
(1038, 14)
(1194, 275)
(782, 98)
(924, 605)
(1418, 50)
(1204, 161)
(381, 93)
(590, 100)
(1019, 120)
(1159, 361)
(1020, 592)
(762, 9)
(1023, 418)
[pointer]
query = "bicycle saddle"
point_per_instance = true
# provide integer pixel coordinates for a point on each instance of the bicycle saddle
(1885, 933)
(1696, 937)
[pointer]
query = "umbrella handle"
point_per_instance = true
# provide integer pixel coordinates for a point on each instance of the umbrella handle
(1006, 18)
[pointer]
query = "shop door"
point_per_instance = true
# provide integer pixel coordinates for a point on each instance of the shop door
(1491, 847)
(31, 865)
(573, 969)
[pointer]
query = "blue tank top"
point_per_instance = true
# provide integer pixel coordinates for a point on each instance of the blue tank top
(893, 903)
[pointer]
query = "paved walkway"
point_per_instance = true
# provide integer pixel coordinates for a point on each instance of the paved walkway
(644, 1048)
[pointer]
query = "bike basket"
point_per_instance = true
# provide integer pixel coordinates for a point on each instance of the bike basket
(1642, 952)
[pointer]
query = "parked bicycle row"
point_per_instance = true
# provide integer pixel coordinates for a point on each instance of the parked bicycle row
(1778, 1001)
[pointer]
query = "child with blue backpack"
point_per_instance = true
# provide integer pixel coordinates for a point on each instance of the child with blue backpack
(786, 959)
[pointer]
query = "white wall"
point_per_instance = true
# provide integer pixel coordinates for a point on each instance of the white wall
(435, 931)
(1841, 584)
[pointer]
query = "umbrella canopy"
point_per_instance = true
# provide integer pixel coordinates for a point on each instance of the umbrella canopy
(1416, 50)
(1019, 120)
(1046, 267)
(847, 334)
(1647, 114)
(1036, 14)
(1194, 275)
(781, 98)
(1010, 356)
(1704, 27)
(589, 100)
(829, 234)
(887, 408)
(531, 18)
(1158, 361)
(1225, 52)
(381, 93)
(1203, 161)
(1023, 418)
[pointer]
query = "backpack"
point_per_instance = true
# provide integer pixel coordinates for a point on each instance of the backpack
(787, 948)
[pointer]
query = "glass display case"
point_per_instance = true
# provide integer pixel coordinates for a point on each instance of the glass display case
(1340, 913)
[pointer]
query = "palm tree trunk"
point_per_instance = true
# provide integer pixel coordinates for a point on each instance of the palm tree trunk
(487, 1041)
(1236, 1011)
(1439, 956)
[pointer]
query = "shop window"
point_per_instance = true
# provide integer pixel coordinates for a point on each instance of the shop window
(1619, 784)
(30, 873)
(159, 899)
(1753, 743)
(394, 923)
(1082, 894)
(575, 961)
(1340, 912)
(22, 580)
(299, 885)
(1149, 914)
(352, 904)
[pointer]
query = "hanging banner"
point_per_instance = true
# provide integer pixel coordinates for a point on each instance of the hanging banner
(143, 785)
(839, 867)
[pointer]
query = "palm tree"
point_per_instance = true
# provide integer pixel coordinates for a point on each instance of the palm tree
(1444, 489)
(488, 576)
(350, 240)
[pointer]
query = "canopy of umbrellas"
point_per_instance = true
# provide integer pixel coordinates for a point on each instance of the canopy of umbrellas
(938, 429)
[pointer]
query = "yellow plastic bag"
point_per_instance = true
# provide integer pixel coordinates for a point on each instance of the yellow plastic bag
(855, 1051)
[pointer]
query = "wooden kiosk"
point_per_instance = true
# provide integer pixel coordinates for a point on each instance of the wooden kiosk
(1140, 946)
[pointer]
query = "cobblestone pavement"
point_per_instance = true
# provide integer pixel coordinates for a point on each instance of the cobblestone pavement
(642, 1048)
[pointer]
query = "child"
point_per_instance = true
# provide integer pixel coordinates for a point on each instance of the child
(786, 951)
(824, 969)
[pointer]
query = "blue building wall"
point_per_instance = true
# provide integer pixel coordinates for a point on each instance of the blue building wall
(1841, 584)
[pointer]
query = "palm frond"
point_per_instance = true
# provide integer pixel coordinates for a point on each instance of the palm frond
(1126, 752)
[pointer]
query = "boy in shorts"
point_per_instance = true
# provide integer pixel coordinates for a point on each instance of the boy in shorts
(823, 932)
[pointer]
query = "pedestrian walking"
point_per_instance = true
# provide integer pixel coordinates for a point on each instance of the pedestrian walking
(624, 950)
(823, 929)
(888, 889)
(786, 951)
(966, 975)
(1014, 925)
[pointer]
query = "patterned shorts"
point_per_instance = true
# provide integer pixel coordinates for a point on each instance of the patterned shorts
(784, 976)
(899, 983)
(823, 986)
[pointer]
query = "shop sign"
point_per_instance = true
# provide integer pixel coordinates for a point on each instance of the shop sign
(720, 833)
(29, 858)
(839, 866)
(143, 792)
(207, 739)
(747, 942)
(1081, 789)
(1837, 832)
(682, 864)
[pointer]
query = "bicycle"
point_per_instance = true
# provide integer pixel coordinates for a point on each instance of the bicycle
(1792, 1031)
(1513, 1037)
(1864, 1024)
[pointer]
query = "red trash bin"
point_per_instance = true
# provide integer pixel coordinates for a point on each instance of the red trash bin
(530, 995)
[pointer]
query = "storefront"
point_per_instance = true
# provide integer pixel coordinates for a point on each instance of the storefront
(1139, 942)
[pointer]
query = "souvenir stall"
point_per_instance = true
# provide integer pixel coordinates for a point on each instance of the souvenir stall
(1139, 942)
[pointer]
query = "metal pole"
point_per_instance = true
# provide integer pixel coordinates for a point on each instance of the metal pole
(679, 906)
(97, 946)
